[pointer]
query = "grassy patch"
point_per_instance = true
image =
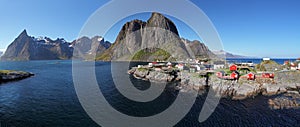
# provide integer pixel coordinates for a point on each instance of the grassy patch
(151, 55)
(142, 69)
(5, 71)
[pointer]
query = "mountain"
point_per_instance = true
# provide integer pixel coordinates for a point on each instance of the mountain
(25, 47)
(155, 39)
(200, 50)
(88, 47)
(223, 53)
(1, 53)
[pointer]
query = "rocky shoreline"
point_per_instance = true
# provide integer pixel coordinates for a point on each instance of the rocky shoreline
(10, 75)
(236, 90)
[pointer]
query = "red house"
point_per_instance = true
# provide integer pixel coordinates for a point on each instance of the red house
(233, 67)
(234, 75)
(220, 74)
(268, 75)
(251, 76)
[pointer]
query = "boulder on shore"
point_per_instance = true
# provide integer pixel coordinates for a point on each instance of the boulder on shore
(286, 101)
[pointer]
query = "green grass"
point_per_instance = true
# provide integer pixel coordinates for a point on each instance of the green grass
(142, 69)
(261, 66)
(5, 71)
(152, 55)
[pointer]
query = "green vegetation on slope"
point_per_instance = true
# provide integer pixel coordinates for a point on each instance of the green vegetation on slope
(151, 55)
(268, 65)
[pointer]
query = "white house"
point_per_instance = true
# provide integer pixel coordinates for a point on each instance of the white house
(198, 68)
(150, 65)
(266, 59)
(180, 66)
(294, 66)
(219, 66)
(169, 64)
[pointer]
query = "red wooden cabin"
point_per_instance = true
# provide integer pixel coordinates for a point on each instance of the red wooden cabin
(234, 75)
(251, 76)
(233, 67)
(220, 74)
(268, 75)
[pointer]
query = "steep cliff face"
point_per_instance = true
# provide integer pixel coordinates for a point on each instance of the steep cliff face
(87, 48)
(158, 34)
(160, 21)
(199, 50)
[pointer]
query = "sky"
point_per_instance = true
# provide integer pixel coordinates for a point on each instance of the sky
(258, 28)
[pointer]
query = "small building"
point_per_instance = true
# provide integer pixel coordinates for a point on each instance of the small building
(219, 66)
(251, 76)
(150, 64)
(169, 64)
(268, 75)
(294, 66)
(248, 63)
(234, 75)
(233, 67)
(266, 59)
(220, 74)
(192, 69)
(208, 67)
(180, 66)
(286, 62)
(157, 69)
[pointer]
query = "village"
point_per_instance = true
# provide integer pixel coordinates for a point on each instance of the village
(237, 81)
(224, 70)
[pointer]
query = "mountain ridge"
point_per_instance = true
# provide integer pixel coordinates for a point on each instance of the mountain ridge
(226, 54)
(25, 47)
(158, 33)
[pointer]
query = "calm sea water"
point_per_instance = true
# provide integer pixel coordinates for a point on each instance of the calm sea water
(257, 60)
(49, 99)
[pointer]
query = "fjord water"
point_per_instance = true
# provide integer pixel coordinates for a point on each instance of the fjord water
(49, 99)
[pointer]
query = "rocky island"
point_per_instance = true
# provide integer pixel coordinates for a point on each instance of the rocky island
(10, 75)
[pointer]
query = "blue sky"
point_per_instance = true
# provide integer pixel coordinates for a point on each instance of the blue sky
(263, 28)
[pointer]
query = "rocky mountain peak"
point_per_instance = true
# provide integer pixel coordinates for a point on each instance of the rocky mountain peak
(130, 27)
(159, 20)
(24, 33)
(158, 35)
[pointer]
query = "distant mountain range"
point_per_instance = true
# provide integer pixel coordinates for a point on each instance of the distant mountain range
(155, 39)
(1, 53)
(225, 54)
(25, 47)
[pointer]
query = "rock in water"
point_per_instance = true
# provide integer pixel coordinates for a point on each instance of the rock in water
(9, 75)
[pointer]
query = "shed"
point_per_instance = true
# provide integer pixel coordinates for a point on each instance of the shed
(233, 67)
(251, 76)
(234, 75)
